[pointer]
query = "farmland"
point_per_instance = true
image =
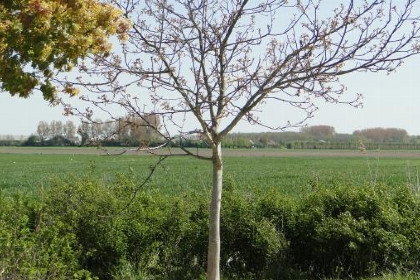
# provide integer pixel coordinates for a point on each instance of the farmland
(293, 172)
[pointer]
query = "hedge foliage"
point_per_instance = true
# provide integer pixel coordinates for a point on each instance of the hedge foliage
(84, 229)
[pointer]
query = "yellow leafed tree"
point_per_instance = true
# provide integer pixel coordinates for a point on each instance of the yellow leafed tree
(40, 38)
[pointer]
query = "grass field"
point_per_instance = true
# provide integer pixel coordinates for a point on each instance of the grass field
(294, 172)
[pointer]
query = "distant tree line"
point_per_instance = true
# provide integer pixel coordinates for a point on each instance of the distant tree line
(383, 135)
(125, 131)
(317, 137)
(10, 140)
(55, 133)
(134, 131)
(325, 137)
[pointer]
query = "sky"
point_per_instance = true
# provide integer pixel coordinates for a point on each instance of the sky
(389, 101)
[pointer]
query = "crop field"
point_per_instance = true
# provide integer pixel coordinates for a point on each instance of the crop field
(293, 172)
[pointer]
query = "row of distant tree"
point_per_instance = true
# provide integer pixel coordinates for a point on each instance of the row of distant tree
(324, 136)
(320, 136)
(127, 131)
(134, 131)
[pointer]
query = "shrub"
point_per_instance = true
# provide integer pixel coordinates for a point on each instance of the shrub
(34, 246)
(345, 232)
(83, 228)
(90, 211)
(149, 234)
(252, 244)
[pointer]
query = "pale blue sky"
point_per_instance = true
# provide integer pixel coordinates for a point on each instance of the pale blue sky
(389, 101)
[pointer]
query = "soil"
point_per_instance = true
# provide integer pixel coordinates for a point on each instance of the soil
(207, 152)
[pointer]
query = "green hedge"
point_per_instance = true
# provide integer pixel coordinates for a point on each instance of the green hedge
(84, 229)
(356, 231)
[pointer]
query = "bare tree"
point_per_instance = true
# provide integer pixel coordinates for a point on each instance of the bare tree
(56, 129)
(319, 132)
(140, 131)
(203, 66)
(43, 130)
(69, 130)
(84, 132)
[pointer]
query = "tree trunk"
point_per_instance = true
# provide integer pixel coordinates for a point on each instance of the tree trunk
(213, 257)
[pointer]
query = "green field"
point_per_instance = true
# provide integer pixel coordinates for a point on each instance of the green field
(291, 174)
